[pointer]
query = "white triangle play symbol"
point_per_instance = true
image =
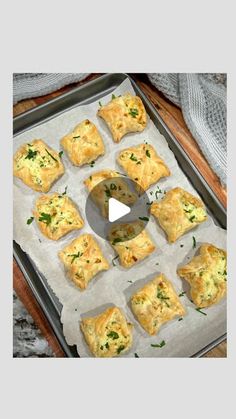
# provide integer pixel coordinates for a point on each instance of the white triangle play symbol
(116, 209)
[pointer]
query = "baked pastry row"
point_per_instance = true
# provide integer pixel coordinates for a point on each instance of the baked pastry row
(110, 334)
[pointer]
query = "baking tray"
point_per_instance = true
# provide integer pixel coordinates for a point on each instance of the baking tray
(83, 95)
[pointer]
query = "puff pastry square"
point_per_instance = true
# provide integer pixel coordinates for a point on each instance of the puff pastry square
(83, 259)
(108, 334)
(112, 186)
(56, 215)
(84, 144)
(124, 114)
(143, 165)
(37, 165)
(178, 212)
(131, 241)
(207, 275)
(155, 304)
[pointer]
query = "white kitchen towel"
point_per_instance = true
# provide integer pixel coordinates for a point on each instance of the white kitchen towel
(27, 85)
(203, 100)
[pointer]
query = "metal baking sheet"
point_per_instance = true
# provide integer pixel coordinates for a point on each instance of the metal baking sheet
(83, 95)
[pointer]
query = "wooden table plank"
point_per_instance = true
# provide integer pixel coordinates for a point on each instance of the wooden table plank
(173, 118)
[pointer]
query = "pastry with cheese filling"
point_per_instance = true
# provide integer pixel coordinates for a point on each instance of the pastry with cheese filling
(155, 304)
(207, 275)
(108, 334)
(131, 241)
(143, 165)
(124, 114)
(178, 212)
(109, 184)
(37, 165)
(83, 259)
(84, 144)
(56, 215)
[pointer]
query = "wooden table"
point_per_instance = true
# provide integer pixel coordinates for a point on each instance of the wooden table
(173, 118)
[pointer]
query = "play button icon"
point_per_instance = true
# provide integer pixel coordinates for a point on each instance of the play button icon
(117, 210)
(113, 199)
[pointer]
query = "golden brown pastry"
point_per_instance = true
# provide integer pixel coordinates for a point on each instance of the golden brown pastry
(108, 334)
(37, 165)
(56, 215)
(143, 165)
(155, 304)
(131, 241)
(84, 144)
(178, 212)
(112, 186)
(83, 259)
(207, 275)
(124, 114)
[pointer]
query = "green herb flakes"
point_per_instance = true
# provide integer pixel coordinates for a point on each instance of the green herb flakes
(158, 345)
(75, 256)
(30, 220)
(133, 157)
(60, 154)
(31, 154)
(113, 335)
(144, 218)
(200, 311)
(194, 242)
(50, 155)
(133, 112)
(45, 218)
(148, 153)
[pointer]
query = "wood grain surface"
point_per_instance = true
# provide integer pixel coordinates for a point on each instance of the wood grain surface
(173, 118)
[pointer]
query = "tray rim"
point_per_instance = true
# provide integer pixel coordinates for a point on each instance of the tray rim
(69, 350)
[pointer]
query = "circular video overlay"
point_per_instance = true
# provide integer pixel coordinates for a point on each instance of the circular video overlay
(117, 209)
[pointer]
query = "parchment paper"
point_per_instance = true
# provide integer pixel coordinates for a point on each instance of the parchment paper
(113, 287)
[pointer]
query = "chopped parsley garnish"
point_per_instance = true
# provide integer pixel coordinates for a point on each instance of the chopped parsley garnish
(121, 348)
(139, 162)
(107, 345)
(107, 191)
(113, 260)
(192, 218)
(133, 112)
(65, 191)
(132, 157)
(182, 294)
(77, 136)
(131, 282)
(136, 355)
(92, 163)
(194, 242)
(31, 154)
(113, 96)
(45, 218)
(113, 335)
(199, 310)
(162, 296)
(60, 154)
(181, 318)
(158, 345)
(87, 261)
(51, 155)
(144, 218)
(100, 103)
(148, 153)
(181, 245)
(117, 240)
(75, 255)
(113, 187)
(30, 220)
(149, 203)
